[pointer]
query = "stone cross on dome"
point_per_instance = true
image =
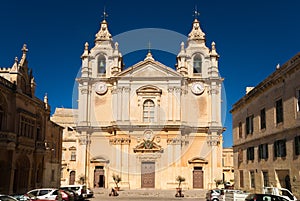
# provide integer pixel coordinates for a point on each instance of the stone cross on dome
(196, 34)
(196, 13)
(103, 34)
(105, 15)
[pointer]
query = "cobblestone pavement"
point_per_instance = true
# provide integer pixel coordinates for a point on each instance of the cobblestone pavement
(140, 195)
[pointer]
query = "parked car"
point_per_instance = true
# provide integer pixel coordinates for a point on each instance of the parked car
(65, 195)
(7, 198)
(73, 194)
(44, 194)
(78, 188)
(215, 195)
(264, 197)
(89, 193)
(21, 197)
(280, 192)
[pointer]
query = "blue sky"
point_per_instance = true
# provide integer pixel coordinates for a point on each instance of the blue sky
(252, 37)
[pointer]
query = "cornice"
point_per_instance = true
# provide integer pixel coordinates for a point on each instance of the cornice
(278, 76)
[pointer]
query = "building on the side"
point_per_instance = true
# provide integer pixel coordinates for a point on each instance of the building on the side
(30, 144)
(149, 123)
(266, 132)
(227, 163)
(66, 118)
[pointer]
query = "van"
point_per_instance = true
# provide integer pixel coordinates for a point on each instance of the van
(80, 189)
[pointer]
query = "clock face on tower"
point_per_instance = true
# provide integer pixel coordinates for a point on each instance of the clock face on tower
(100, 88)
(198, 88)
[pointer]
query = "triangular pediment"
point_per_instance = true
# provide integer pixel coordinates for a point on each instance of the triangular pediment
(149, 68)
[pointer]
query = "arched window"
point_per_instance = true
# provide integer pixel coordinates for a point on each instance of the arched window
(197, 64)
(101, 65)
(148, 111)
(72, 177)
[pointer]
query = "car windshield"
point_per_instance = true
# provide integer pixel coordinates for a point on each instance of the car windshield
(43, 192)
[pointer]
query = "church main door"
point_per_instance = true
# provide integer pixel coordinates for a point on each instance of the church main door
(148, 175)
(198, 177)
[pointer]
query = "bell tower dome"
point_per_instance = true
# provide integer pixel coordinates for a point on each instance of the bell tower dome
(104, 59)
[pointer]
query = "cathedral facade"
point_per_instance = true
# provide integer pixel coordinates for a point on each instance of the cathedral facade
(150, 123)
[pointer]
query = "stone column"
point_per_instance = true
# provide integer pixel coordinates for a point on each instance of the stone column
(213, 141)
(126, 104)
(170, 104)
(119, 103)
(81, 158)
(177, 103)
(114, 103)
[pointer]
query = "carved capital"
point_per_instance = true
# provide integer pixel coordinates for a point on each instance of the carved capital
(213, 140)
(177, 141)
(120, 141)
(84, 91)
(126, 89)
(170, 89)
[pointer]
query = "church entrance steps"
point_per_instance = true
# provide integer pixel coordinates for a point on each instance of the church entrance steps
(195, 193)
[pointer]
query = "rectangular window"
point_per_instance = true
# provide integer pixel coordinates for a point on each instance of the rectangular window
(279, 111)
(249, 124)
(252, 179)
(297, 145)
(241, 179)
(263, 118)
(298, 100)
(263, 151)
(52, 175)
(240, 130)
(240, 156)
(63, 156)
(279, 148)
(250, 153)
(73, 156)
(266, 178)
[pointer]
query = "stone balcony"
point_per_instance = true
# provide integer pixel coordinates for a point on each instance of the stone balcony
(7, 136)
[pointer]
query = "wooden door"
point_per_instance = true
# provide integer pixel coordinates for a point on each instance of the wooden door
(148, 175)
(99, 178)
(198, 179)
(72, 177)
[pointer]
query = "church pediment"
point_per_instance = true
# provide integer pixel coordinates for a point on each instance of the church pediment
(198, 160)
(99, 159)
(149, 68)
(149, 89)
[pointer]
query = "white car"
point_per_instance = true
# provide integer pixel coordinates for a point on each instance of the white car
(215, 195)
(44, 194)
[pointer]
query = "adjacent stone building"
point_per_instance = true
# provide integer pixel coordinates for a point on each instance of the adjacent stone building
(149, 123)
(266, 132)
(30, 144)
(227, 163)
(66, 118)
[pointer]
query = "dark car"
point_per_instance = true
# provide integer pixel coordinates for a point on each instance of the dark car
(264, 197)
(21, 197)
(89, 193)
(7, 198)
